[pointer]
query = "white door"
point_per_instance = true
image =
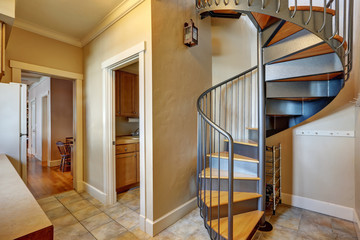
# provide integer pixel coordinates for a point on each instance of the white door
(12, 110)
(33, 127)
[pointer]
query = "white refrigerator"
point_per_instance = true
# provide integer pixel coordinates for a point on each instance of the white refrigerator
(13, 125)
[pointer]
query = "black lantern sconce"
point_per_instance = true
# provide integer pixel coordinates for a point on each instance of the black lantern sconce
(190, 34)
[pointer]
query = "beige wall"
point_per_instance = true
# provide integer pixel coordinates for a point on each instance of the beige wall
(180, 75)
(61, 113)
(234, 47)
(124, 127)
(133, 28)
(35, 49)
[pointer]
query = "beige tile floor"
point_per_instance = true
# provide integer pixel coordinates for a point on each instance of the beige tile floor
(80, 216)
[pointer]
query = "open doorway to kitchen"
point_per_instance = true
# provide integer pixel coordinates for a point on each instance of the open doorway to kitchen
(51, 133)
(127, 143)
(142, 144)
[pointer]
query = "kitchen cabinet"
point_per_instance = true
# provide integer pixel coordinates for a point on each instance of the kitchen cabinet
(127, 166)
(127, 94)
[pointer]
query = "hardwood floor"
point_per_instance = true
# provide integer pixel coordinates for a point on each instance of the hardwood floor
(45, 181)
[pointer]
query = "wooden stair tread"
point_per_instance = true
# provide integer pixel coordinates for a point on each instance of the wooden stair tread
(245, 142)
(264, 20)
(320, 77)
(314, 8)
(243, 224)
(224, 197)
(285, 31)
(310, 52)
(225, 175)
(237, 157)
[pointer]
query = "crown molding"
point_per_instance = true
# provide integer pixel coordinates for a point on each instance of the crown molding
(31, 27)
(116, 14)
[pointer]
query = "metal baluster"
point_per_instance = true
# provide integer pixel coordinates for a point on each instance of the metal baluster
(280, 170)
(232, 108)
(231, 186)
(249, 4)
(204, 157)
(278, 6)
(329, 3)
(210, 165)
(217, 2)
(226, 2)
(295, 10)
(263, 4)
(238, 108)
(337, 13)
(237, 2)
(310, 13)
(243, 108)
(324, 18)
(274, 177)
(345, 29)
(226, 101)
(209, 2)
(251, 102)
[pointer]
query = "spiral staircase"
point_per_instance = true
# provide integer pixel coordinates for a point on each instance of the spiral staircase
(304, 59)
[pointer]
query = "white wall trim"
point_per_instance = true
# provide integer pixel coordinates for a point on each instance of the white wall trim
(93, 191)
(357, 223)
(49, 33)
(115, 15)
(46, 70)
(327, 208)
(155, 227)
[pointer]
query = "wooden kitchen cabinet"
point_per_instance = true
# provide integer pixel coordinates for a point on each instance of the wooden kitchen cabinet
(127, 94)
(127, 166)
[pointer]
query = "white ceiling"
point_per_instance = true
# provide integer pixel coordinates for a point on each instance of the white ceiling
(71, 18)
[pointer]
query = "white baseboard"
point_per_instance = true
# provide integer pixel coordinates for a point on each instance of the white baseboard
(330, 209)
(93, 191)
(154, 227)
(357, 223)
(54, 163)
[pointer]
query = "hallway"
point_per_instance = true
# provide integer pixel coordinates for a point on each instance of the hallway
(44, 181)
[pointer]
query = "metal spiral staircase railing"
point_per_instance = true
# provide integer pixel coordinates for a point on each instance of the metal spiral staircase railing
(304, 59)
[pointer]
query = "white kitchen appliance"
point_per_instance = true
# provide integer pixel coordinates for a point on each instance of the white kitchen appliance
(13, 125)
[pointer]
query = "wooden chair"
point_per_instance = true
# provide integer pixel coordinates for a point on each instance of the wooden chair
(65, 153)
(69, 140)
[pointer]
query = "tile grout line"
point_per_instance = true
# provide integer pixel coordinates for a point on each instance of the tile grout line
(102, 211)
(79, 210)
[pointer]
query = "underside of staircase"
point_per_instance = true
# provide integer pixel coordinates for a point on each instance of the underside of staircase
(304, 60)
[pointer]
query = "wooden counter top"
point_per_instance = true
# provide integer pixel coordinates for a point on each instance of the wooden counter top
(21, 216)
(126, 140)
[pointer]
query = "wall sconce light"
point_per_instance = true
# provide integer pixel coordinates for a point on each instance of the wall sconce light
(190, 34)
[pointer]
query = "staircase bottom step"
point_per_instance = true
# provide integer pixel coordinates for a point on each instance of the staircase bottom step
(243, 225)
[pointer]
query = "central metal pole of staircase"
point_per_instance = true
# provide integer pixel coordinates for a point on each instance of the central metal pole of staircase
(261, 129)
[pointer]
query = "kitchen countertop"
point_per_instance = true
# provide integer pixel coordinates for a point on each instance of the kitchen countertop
(21, 215)
(127, 140)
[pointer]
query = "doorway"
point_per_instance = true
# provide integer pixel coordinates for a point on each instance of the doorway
(127, 132)
(77, 80)
(121, 60)
(50, 164)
